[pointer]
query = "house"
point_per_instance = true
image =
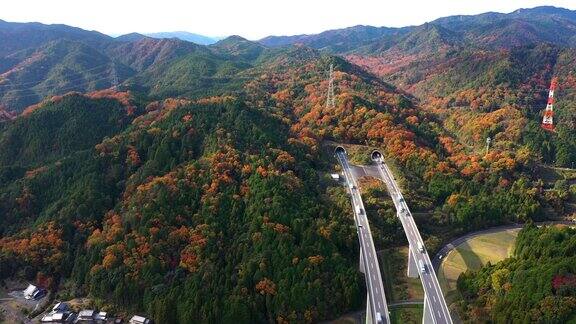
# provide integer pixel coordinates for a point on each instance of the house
(335, 176)
(33, 292)
(91, 316)
(60, 308)
(101, 316)
(86, 316)
(139, 320)
(65, 317)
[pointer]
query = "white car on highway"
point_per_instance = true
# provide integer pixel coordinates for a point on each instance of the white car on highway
(422, 266)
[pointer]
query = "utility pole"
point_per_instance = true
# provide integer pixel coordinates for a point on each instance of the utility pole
(330, 100)
(488, 140)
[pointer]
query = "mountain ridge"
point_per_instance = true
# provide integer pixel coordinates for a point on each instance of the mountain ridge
(186, 36)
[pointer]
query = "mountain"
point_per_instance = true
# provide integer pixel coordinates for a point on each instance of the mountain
(54, 68)
(132, 37)
(493, 30)
(239, 47)
(186, 36)
(143, 52)
(20, 36)
(197, 191)
(425, 39)
(521, 27)
(336, 41)
(226, 176)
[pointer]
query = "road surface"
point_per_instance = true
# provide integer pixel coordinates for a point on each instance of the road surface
(433, 293)
(368, 257)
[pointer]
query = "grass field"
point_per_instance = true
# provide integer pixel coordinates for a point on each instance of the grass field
(406, 314)
(473, 254)
(398, 286)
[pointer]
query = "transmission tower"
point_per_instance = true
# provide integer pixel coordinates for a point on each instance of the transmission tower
(547, 120)
(114, 77)
(330, 100)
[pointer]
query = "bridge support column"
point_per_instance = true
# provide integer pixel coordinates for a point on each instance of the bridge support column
(368, 310)
(362, 262)
(427, 317)
(412, 266)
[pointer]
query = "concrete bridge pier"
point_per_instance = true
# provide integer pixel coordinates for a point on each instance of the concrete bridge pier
(368, 310)
(427, 317)
(412, 266)
(362, 262)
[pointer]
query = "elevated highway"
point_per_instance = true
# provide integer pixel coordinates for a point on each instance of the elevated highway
(376, 307)
(419, 264)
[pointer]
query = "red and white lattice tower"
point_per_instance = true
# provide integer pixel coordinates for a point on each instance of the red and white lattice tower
(547, 120)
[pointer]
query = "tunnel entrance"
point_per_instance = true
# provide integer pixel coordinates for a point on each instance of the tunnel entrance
(376, 156)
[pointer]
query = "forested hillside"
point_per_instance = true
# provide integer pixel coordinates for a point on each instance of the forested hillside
(538, 284)
(196, 190)
(220, 197)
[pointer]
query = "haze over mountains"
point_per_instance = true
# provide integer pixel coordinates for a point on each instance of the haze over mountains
(190, 182)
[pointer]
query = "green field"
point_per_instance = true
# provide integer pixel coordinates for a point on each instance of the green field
(473, 254)
(407, 314)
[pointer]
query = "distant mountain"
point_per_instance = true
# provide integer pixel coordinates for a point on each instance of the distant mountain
(197, 73)
(239, 47)
(492, 30)
(54, 68)
(186, 36)
(521, 27)
(423, 39)
(132, 37)
(338, 40)
(32, 66)
(146, 51)
(18, 36)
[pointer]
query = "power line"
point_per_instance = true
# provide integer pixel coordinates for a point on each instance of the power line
(107, 65)
(104, 74)
(61, 91)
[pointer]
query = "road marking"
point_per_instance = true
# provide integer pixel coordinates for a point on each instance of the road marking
(434, 297)
(429, 285)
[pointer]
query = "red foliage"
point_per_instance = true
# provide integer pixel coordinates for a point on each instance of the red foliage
(560, 281)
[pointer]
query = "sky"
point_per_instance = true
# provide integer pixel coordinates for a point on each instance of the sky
(252, 19)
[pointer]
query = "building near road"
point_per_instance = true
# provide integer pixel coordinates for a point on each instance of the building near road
(136, 319)
(60, 307)
(33, 292)
(60, 313)
(66, 317)
(91, 316)
(86, 316)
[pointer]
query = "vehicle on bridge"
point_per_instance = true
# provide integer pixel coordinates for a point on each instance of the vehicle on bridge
(420, 247)
(422, 266)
